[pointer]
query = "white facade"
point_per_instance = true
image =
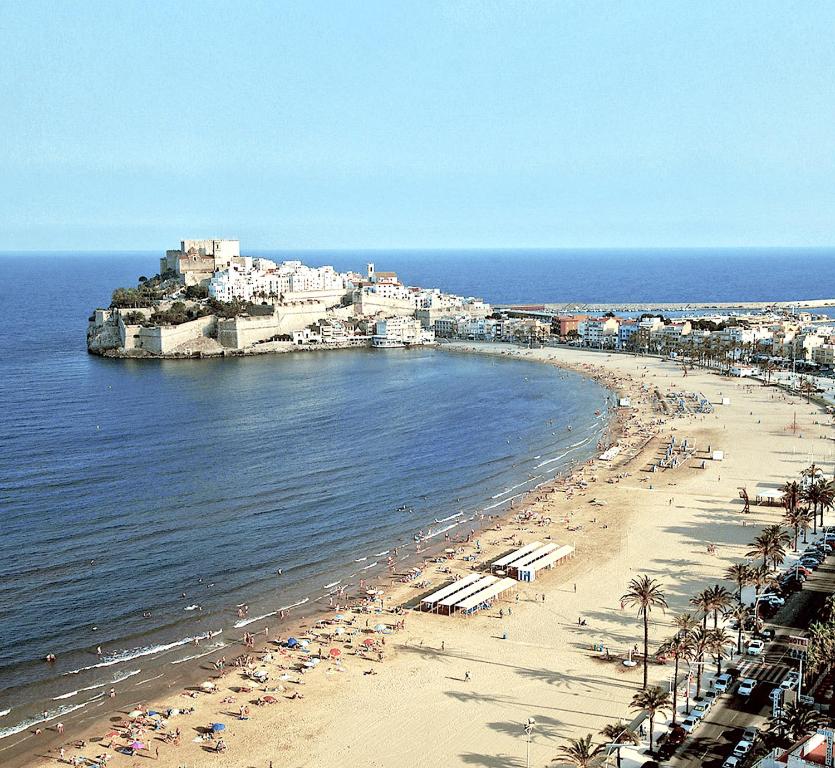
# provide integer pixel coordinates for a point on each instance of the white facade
(248, 279)
(400, 331)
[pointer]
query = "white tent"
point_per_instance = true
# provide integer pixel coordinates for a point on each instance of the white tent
(530, 558)
(479, 599)
(446, 605)
(429, 602)
(515, 555)
(528, 572)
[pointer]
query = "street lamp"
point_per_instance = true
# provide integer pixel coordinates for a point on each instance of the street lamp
(528, 733)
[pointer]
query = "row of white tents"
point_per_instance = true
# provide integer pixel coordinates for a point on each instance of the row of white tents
(477, 591)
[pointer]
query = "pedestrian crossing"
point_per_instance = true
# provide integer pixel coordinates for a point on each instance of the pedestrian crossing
(766, 672)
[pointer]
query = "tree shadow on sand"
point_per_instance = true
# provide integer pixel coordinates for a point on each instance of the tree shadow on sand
(491, 761)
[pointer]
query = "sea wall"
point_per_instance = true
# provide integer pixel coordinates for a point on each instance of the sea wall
(244, 331)
(368, 305)
(160, 340)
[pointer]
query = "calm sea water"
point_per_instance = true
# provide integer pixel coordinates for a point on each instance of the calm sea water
(126, 484)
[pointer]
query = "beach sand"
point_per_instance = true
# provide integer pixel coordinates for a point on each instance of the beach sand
(418, 709)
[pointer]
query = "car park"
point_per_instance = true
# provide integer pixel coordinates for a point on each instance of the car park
(746, 686)
(742, 748)
(689, 724)
(755, 647)
(722, 683)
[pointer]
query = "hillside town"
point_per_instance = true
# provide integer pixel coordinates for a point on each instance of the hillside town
(209, 300)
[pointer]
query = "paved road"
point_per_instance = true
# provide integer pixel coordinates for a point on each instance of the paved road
(715, 738)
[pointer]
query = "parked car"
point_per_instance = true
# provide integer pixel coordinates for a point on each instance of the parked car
(775, 601)
(746, 686)
(766, 634)
(689, 724)
(700, 710)
(731, 762)
(790, 681)
(742, 748)
(755, 647)
(710, 697)
(751, 734)
(722, 683)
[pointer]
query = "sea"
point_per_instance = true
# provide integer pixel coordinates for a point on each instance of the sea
(144, 502)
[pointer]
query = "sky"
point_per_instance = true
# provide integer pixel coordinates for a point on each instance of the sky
(417, 124)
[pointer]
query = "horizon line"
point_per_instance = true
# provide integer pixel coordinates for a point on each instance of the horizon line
(458, 249)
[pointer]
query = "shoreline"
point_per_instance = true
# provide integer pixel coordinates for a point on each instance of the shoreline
(432, 643)
(188, 674)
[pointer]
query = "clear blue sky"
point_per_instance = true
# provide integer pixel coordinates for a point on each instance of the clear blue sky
(420, 124)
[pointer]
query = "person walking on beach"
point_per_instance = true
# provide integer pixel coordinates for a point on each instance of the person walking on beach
(59, 727)
(467, 676)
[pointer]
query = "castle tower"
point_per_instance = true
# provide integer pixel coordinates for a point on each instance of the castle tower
(370, 269)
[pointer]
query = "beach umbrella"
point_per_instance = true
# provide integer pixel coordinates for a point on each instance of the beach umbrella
(208, 685)
(137, 745)
(368, 641)
(292, 642)
(380, 628)
(270, 699)
(335, 652)
(135, 713)
(218, 727)
(339, 616)
(304, 643)
(339, 630)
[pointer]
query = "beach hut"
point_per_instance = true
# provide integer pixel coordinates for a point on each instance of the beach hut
(485, 597)
(446, 605)
(430, 603)
(517, 554)
(513, 568)
(528, 572)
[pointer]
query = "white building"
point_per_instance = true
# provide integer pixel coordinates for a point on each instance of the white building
(400, 332)
(248, 279)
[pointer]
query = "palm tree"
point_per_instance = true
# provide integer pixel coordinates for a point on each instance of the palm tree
(806, 519)
(820, 651)
(652, 701)
(794, 721)
(740, 614)
(719, 600)
(791, 494)
(812, 496)
(685, 623)
(717, 642)
(827, 496)
(646, 594)
(770, 545)
(579, 752)
(619, 733)
(793, 519)
(699, 646)
(702, 603)
(739, 573)
(679, 646)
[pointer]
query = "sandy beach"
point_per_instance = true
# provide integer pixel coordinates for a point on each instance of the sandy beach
(436, 690)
